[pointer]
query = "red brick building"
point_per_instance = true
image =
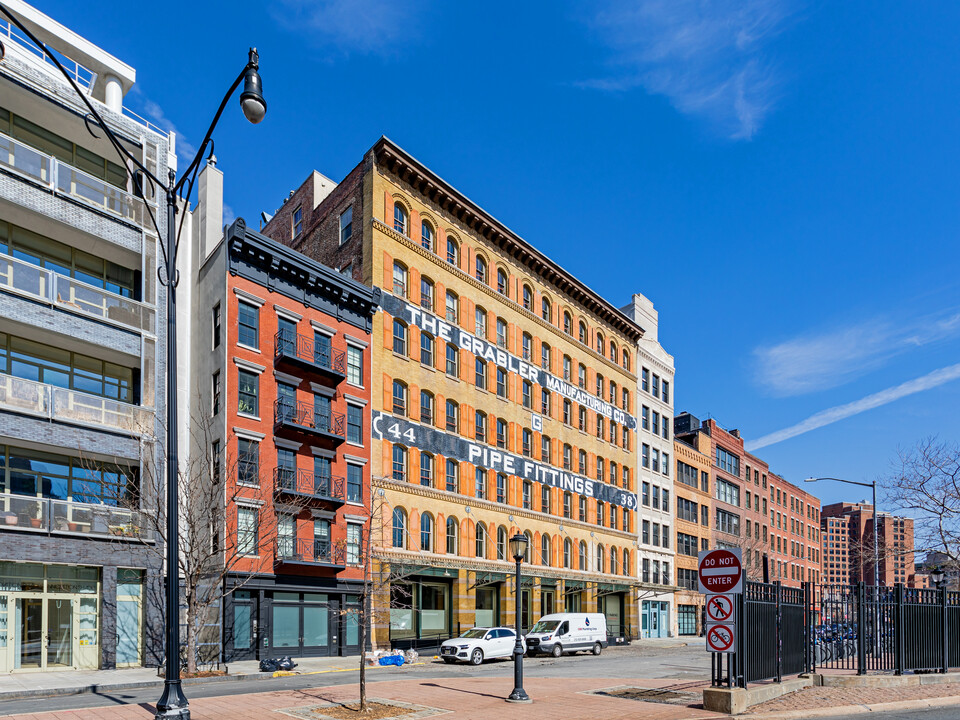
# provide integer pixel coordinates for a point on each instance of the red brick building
(280, 358)
(894, 546)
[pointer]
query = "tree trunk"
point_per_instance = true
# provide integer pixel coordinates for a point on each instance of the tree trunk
(363, 619)
(191, 636)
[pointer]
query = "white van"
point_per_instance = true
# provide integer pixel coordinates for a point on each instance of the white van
(568, 632)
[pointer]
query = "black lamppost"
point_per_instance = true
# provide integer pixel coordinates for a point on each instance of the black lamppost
(172, 703)
(937, 575)
(876, 554)
(518, 548)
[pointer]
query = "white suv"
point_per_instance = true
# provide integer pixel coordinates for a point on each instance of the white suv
(478, 644)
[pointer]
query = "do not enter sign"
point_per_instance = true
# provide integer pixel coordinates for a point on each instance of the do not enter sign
(720, 571)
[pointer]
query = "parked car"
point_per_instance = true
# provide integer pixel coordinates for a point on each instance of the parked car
(479, 644)
(568, 633)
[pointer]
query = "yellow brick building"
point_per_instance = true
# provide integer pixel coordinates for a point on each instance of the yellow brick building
(503, 401)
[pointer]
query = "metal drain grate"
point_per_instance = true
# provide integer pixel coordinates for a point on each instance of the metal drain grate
(666, 697)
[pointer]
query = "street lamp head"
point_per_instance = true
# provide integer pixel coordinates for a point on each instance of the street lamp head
(518, 546)
(251, 99)
(937, 575)
(811, 479)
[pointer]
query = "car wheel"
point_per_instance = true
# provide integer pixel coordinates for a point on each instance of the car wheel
(476, 657)
(597, 648)
(449, 661)
(557, 651)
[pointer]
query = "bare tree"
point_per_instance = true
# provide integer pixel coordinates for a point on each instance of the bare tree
(925, 484)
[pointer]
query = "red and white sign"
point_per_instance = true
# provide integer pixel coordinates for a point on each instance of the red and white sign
(722, 638)
(721, 571)
(720, 608)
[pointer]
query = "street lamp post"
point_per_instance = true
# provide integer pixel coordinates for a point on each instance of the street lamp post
(518, 548)
(873, 487)
(937, 575)
(172, 703)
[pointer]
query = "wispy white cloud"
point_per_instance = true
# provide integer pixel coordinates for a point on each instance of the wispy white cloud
(228, 215)
(821, 361)
(376, 27)
(842, 412)
(706, 56)
(186, 150)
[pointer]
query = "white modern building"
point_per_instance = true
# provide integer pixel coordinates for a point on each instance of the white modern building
(656, 526)
(81, 359)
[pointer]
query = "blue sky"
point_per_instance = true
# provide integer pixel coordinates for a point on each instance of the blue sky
(779, 177)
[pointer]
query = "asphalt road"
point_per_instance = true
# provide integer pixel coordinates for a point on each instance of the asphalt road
(947, 713)
(687, 663)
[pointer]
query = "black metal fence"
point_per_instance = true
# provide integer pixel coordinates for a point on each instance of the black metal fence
(789, 631)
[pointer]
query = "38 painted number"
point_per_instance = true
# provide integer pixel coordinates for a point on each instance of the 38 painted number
(394, 430)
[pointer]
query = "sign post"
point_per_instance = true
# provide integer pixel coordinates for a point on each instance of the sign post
(720, 573)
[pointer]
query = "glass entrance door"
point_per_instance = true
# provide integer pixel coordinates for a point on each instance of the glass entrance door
(59, 633)
(29, 634)
(546, 602)
(318, 610)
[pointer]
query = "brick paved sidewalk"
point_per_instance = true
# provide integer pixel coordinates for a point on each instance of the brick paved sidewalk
(465, 698)
(815, 698)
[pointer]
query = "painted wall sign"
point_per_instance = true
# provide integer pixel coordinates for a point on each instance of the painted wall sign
(416, 315)
(422, 437)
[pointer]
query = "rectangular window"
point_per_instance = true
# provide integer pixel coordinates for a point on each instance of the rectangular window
(354, 483)
(480, 483)
(346, 224)
(480, 374)
(645, 417)
(216, 325)
(354, 365)
(545, 402)
(248, 462)
(354, 535)
(527, 399)
(247, 531)
(666, 391)
(216, 468)
(298, 221)
(215, 394)
(355, 424)
(728, 492)
(645, 380)
(645, 532)
(645, 455)
(728, 522)
(248, 390)
(527, 491)
(248, 322)
(501, 488)
(453, 360)
(582, 509)
(728, 462)
(453, 470)
(501, 382)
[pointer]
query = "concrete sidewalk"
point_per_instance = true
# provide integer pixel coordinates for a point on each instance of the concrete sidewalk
(15, 686)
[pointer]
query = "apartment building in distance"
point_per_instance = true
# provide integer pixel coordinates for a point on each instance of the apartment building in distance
(774, 523)
(82, 350)
(693, 512)
(280, 369)
(835, 544)
(655, 392)
(504, 401)
(895, 546)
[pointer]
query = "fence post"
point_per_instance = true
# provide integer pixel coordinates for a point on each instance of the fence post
(944, 615)
(862, 629)
(741, 645)
(898, 630)
(806, 627)
(776, 589)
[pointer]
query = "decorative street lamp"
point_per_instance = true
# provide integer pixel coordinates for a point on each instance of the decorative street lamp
(172, 703)
(518, 549)
(937, 575)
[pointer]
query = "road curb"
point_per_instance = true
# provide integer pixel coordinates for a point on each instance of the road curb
(838, 710)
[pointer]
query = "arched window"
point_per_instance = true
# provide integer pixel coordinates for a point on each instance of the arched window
(453, 416)
(626, 562)
(426, 293)
(600, 558)
(399, 463)
(426, 235)
(399, 528)
(452, 307)
(399, 398)
(426, 407)
(480, 483)
(582, 376)
(502, 543)
(545, 356)
(601, 464)
(481, 270)
(567, 553)
(613, 393)
(480, 322)
(501, 333)
(527, 438)
(399, 219)
(452, 528)
(480, 541)
(526, 346)
(567, 368)
(613, 561)
(529, 548)
(545, 309)
(426, 349)
(426, 469)
(626, 360)
(399, 280)
(613, 351)
(453, 251)
(426, 532)
(501, 485)
(582, 556)
(527, 297)
(600, 343)
(600, 386)
(545, 549)
(567, 457)
(503, 286)
(613, 473)
(582, 462)
(626, 400)
(567, 323)
(399, 337)
(583, 333)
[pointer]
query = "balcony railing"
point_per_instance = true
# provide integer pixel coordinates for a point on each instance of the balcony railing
(65, 292)
(311, 552)
(303, 350)
(54, 403)
(83, 76)
(304, 482)
(19, 512)
(305, 417)
(64, 179)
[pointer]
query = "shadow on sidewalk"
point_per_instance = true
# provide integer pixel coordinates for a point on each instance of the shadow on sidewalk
(469, 692)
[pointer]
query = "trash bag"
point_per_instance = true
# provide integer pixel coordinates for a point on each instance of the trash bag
(287, 663)
(269, 665)
(391, 660)
(411, 656)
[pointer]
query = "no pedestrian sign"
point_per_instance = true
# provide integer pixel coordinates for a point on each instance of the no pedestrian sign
(719, 608)
(721, 571)
(722, 639)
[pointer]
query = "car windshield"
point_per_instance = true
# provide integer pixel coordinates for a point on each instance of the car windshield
(474, 633)
(545, 626)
